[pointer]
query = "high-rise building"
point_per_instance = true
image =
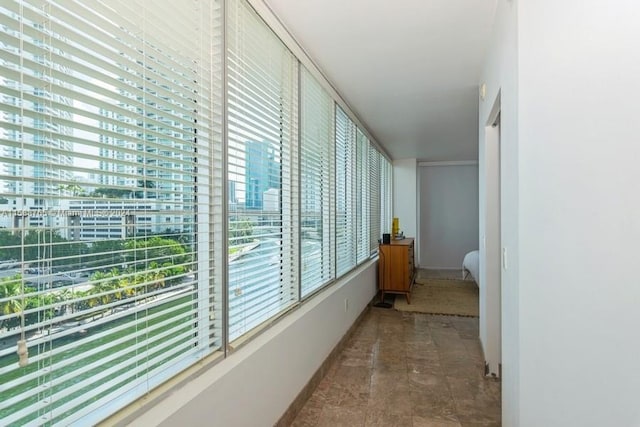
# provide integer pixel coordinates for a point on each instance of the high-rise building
(145, 160)
(263, 173)
(37, 157)
(117, 162)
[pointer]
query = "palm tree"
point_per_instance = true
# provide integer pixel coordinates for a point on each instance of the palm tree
(74, 189)
(10, 303)
(106, 284)
(44, 304)
(127, 285)
(65, 296)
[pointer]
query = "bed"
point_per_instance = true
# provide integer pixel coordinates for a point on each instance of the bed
(471, 266)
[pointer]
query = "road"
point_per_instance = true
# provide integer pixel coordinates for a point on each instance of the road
(255, 284)
(255, 291)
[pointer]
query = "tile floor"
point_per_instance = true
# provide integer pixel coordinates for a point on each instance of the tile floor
(407, 369)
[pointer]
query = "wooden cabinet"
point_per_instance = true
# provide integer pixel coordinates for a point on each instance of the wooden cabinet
(396, 268)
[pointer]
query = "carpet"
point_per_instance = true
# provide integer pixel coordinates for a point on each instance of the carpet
(442, 296)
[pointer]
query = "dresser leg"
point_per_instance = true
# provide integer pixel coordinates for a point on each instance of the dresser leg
(408, 300)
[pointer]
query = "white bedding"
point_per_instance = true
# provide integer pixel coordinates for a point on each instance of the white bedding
(471, 265)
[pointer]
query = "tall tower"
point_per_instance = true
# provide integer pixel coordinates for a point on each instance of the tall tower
(117, 162)
(262, 172)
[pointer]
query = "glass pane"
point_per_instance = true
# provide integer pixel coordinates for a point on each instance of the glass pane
(104, 196)
(345, 193)
(262, 175)
(316, 186)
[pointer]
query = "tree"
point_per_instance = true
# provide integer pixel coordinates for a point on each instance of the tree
(40, 244)
(106, 287)
(156, 249)
(106, 252)
(112, 193)
(154, 278)
(74, 189)
(10, 300)
(163, 255)
(9, 245)
(65, 295)
(180, 236)
(49, 244)
(42, 302)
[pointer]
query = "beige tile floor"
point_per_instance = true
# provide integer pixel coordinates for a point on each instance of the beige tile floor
(407, 369)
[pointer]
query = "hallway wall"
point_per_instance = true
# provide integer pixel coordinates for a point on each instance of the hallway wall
(256, 384)
(567, 74)
(405, 200)
(579, 64)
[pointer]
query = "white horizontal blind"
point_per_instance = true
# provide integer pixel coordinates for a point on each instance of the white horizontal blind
(375, 200)
(106, 271)
(316, 187)
(362, 196)
(262, 171)
(345, 193)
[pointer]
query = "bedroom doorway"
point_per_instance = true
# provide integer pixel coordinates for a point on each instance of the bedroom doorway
(491, 257)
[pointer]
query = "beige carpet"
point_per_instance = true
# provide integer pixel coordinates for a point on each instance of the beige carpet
(441, 296)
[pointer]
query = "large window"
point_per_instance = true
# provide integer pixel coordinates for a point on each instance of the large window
(161, 196)
(263, 166)
(316, 188)
(345, 193)
(109, 280)
(375, 190)
(362, 197)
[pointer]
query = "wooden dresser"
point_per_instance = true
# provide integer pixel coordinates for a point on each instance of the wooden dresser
(396, 268)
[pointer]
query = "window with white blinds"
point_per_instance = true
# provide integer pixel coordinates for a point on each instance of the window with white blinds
(109, 274)
(262, 171)
(113, 172)
(346, 197)
(362, 196)
(316, 186)
(374, 198)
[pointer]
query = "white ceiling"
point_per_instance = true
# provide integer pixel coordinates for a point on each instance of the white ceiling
(409, 69)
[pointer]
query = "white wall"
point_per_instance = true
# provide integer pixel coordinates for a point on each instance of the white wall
(405, 198)
(448, 201)
(500, 74)
(579, 143)
(255, 385)
(568, 78)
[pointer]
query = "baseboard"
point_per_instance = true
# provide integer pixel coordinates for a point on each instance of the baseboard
(441, 268)
(298, 403)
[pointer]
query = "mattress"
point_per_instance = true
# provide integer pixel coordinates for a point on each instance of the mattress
(471, 266)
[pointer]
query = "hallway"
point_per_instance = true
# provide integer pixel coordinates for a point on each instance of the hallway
(406, 369)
